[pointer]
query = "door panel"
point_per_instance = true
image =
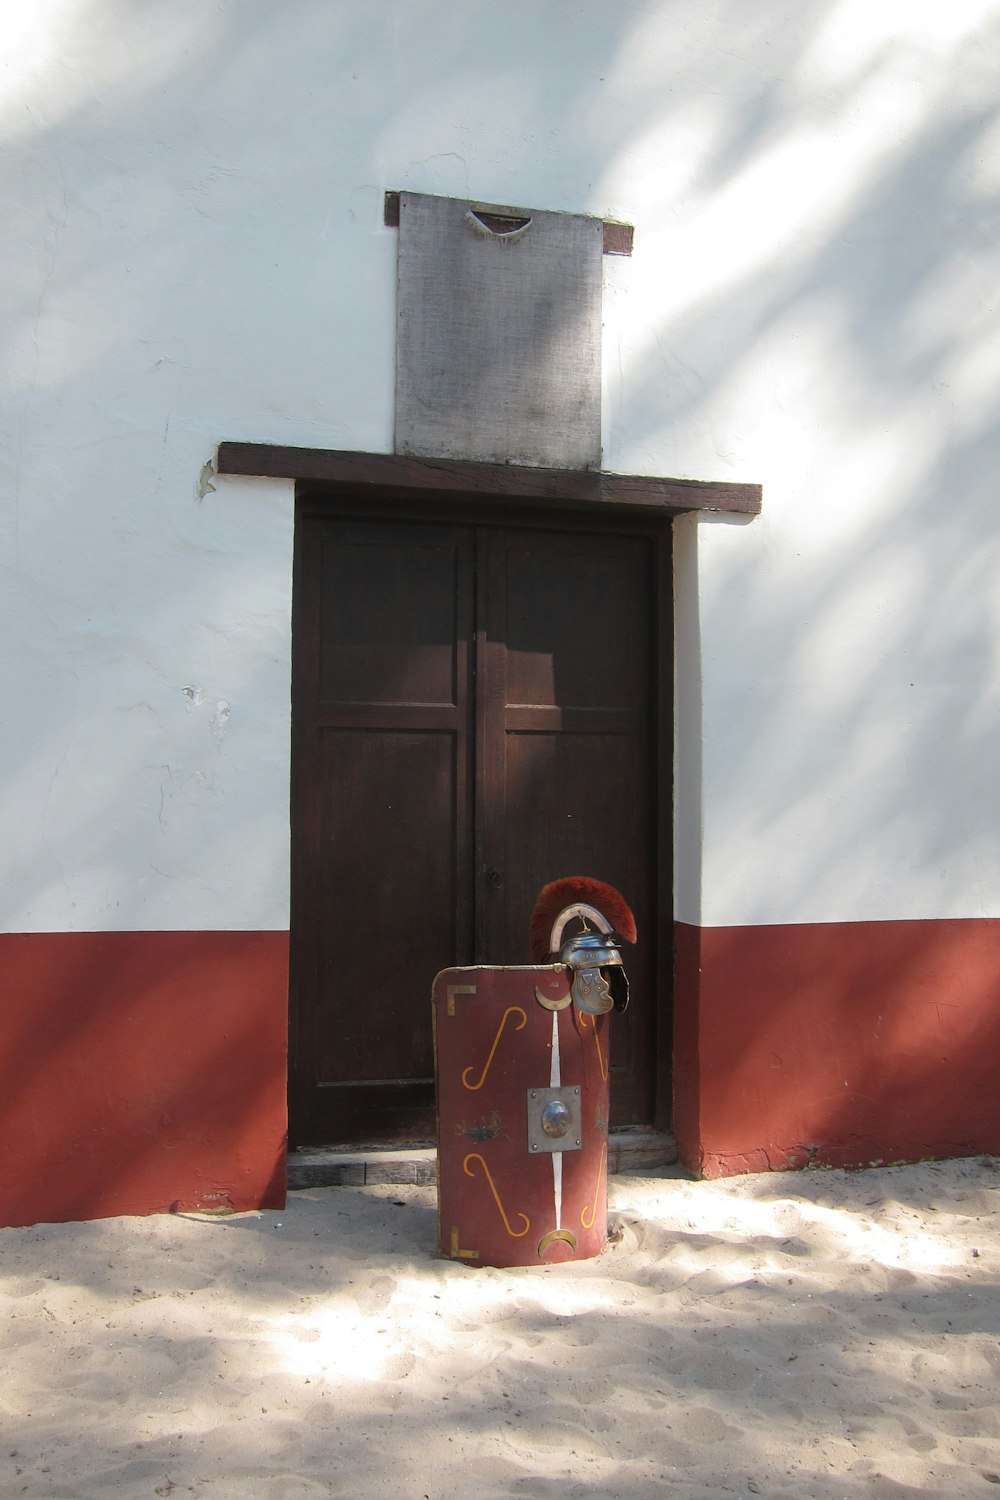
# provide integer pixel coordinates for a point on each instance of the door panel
(569, 612)
(473, 716)
(569, 619)
(389, 830)
(382, 829)
(387, 607)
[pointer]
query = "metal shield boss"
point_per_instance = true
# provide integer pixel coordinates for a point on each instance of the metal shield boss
(522, 1089)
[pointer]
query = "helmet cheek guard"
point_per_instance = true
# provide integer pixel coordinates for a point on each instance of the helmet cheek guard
(599, 983)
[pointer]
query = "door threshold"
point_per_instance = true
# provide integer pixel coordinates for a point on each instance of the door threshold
(628, 1151)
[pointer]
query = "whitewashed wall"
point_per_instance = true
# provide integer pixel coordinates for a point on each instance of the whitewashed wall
(193, 249)
(837, 339)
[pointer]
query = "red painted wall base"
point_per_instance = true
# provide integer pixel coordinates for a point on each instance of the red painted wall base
(146, 1072)
(843, 1044)
(141, 1072)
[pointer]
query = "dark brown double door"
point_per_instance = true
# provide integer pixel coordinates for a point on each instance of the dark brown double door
(478, 708)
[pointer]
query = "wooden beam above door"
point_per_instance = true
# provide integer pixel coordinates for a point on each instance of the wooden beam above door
(397, 476)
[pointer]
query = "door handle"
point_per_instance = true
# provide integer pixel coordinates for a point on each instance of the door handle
(494, 877)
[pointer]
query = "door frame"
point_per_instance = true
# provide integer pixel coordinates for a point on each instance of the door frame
(314, 502)
(512, 494)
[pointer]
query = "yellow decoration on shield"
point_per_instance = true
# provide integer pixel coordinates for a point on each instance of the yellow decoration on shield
(553, 1235)
(515, 1234)
(588, 1213)
(512, 1010)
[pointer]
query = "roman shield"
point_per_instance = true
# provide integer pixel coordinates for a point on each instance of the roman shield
(522, 1117)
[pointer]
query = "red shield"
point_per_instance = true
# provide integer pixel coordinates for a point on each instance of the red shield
(507, 1041)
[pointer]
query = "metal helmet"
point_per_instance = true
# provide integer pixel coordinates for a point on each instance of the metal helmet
(588, 954)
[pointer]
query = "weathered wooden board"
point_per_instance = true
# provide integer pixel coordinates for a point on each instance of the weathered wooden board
(498, 342)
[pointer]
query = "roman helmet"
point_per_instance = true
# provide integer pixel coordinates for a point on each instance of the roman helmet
(589, 920)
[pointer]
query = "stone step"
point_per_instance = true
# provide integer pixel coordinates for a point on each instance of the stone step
(629, 1151)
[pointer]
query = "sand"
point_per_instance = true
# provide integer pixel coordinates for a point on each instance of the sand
(810, 1335)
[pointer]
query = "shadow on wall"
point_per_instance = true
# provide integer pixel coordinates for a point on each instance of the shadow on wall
(842, 655)
(849, 646)
(903, 210)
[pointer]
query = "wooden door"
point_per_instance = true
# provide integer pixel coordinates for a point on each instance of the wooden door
(475, 713)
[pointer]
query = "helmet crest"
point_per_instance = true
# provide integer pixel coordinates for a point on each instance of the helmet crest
(576, 890)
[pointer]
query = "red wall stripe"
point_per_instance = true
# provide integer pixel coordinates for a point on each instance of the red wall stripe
(840, 1044)
(146, 1072)
(141, 1072)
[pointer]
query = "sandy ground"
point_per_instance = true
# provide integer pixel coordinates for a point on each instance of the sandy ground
(808, 1335)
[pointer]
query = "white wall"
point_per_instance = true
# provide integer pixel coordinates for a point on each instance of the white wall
(193, 218)
(845, 341)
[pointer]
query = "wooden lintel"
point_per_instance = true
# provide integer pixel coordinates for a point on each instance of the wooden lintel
(399, 475)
